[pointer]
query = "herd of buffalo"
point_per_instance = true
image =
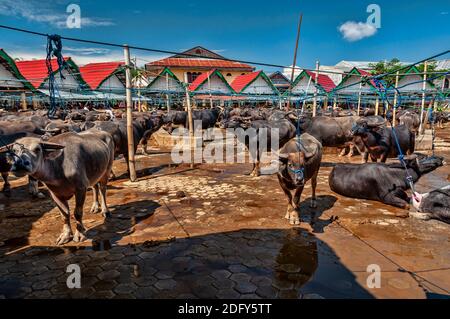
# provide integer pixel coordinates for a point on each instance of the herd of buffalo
(75, 150)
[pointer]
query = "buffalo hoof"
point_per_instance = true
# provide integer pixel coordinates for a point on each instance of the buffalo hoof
(313, 204)
(79, 237)
(94, 209)
(6, 191)
(288, 215)
(294, 221)
(64, 238)
(106, 215)
(254, 174)
(422, 216)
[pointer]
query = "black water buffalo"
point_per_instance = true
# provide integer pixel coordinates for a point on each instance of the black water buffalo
(380, 141)
(68, 164)
(300, 161)
(208, 117)
(176, 118)
(379, 181)
(410, 119)
(433, 205)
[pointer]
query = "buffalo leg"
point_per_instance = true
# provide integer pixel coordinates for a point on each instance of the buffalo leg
(80, 233)
(102, 192)
(63, 206)
(33, 188)
(344, 151)
(294, 218)
(313, 187)
(95, 204)
(394, 198)
(288, 194)
(6, 186)
(365, 157)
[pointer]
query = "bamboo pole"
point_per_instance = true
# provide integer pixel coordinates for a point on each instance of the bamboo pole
(394, 111)
(209, 89)
(295, 59)
(130, 137)
(167, 95)
(359, 97)
(23, 101)
(377, 104)
(424, 86)
(315, 90)
(191, 125)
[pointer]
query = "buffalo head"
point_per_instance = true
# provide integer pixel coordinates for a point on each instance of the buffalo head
(294, 165)
(29, 153)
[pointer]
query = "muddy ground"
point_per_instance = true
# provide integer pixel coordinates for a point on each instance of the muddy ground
(226, 238)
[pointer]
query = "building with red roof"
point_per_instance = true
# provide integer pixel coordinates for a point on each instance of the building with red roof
(305, 83)
(351, 83)
(104, 76)
(36, 72)
(10, 77)
(254, 83)
(188, 65)
(212, 82)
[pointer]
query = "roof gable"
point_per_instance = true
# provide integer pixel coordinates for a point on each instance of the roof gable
(96, 73)
(11, 66)
(357, 72)
(242, 82)
(198, 51)
(324, 82)
(202, 79)
(166, 73)
(36, 72)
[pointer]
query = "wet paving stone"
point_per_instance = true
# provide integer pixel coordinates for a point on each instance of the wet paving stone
(227, 294)
(245, 287)
(108, 275)
(125, 288)
(165, 284)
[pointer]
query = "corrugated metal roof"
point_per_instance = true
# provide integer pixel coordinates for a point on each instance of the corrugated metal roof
(35, 71)
(200, 79)
(194, 62)
(95, 73)
(242, 81)
(324, 81)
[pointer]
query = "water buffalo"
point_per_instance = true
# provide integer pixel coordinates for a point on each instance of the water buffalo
(410, 119)
(380, 141)
(68, 164)
(433, 205)
(261, 131)
(300, 161)
(379, 181)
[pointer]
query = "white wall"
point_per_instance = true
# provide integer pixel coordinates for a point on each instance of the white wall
(160, 84)
(112, 83)
(259, 86)
(217, 85)
(416, 87)
(69, 83)
(354, 79)
(302, 86)
(7, 79)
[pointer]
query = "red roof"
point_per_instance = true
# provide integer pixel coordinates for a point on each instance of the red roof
(35, 71)
(95, 73)
(365, 73)
(194, 62)
(242, 81)
(200, 79)
(324, 81)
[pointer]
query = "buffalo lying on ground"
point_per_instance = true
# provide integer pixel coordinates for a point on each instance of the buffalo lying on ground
(300, 161)
(433, 205)
(379, 181)
(380, 141)
(68, 164)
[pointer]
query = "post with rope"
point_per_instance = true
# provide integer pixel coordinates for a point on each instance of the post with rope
(190, 123)
(130, 137)
(316, 82)
(424, 86)
(394, 111)
(377, 104)
(23, 101)
(295, 59)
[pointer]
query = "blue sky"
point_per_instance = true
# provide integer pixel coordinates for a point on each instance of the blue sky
(251, 30)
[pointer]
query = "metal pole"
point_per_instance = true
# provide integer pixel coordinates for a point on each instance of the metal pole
(424, 86)
(295, 57)
(130, 137)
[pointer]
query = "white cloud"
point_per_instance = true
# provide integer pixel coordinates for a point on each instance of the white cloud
(41, 12)
(355, 31)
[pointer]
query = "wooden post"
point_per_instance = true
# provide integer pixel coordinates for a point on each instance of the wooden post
(315, 90)
(334, 103)
(167, 95)
(359, 97)
(191, 124)
(23, 101)
(377, 104)
(130, 137)
(394, 111)
(209, 88)
(424, 86)
(295, 59)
